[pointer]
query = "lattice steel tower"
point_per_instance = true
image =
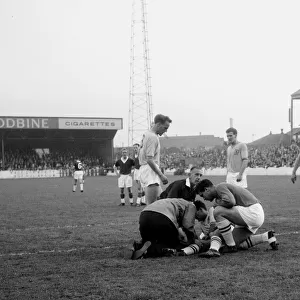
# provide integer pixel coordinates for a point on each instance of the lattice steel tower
(140, 97)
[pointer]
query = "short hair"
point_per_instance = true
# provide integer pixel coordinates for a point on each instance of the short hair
(124, 149)
(136, 144)
(194, 167)
(231, 129)
(202, 185)
(161, 119)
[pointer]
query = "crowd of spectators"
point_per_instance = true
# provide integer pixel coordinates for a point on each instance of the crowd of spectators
(30, 159)
(264, 156)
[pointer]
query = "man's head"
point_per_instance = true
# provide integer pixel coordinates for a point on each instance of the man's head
(195, 175)
(201, 212)
(206, 190)
(124, 153)
(161, 124)
(231, 135)
(136, 147)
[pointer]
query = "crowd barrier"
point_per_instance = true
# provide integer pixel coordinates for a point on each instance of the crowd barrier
(93, 172)
(252, 171)
(15, 174)
(29, 174)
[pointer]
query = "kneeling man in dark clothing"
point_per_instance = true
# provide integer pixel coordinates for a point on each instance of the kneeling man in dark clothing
(166, 225)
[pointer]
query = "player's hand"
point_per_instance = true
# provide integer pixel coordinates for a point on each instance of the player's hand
(164, 179)
(294, 178)
(239, 178)
(182, 236)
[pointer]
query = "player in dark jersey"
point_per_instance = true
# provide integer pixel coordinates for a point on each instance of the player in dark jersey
(78, 175)
(141, 194)
(123, 168)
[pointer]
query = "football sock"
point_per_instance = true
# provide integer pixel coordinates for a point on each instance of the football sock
(224, 227)
(130, 198)
(122, 198)
(191, 249)
(257, 239)
(81, 186)
(138, 200)
(215, 243)
(74, 187)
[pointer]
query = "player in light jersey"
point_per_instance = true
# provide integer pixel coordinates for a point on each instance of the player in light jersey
(295, 168)
(123, 168)
(78, 175)
(237, 160)
(136, 176)
(149, 158)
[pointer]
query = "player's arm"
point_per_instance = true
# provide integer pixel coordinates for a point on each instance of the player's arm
(156, 169)
(188, 222)
(117, 168)
(132, 168)
(225, 199)
(244, 157)
(296, 166)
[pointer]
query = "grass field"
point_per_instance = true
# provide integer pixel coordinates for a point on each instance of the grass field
(55, 244)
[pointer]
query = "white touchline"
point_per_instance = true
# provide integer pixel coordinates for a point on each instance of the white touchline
(86, 248)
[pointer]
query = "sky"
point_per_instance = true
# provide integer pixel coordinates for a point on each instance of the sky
(209, 61)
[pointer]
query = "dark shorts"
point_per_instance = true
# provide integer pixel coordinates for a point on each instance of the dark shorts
(158, 228)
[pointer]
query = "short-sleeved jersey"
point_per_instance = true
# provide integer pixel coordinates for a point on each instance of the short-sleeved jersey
(136, 162)
(78, 166)
(235, 156)
(179, 211)
(150, 146)
(125, 165)
(242, 197)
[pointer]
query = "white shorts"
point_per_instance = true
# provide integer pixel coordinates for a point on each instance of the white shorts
(253, 216)
(136, 174)
(148, 176)
(78, 175)
(231, 178)
(125, 181)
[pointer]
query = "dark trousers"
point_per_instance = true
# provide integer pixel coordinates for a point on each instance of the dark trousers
(160, 230)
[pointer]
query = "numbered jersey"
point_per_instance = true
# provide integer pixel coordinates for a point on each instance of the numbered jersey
(78, 166)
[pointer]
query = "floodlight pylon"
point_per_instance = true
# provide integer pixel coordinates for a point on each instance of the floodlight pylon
(140, 96)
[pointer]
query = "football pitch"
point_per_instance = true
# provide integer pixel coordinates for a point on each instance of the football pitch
(55, 244)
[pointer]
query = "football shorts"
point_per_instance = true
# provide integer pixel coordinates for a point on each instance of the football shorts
(148, 176)
(253, 216)
(78, 175)
(125, 181)
(231, 178)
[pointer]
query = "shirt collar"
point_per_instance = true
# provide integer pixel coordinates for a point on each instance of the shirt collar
(187, 182)
(124, 160)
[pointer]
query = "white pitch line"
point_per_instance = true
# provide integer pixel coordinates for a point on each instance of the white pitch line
(65, 226)
(84, 248)
(287, 233)
(52, 251)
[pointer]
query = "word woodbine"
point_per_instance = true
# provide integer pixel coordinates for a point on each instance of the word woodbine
(24, 123)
